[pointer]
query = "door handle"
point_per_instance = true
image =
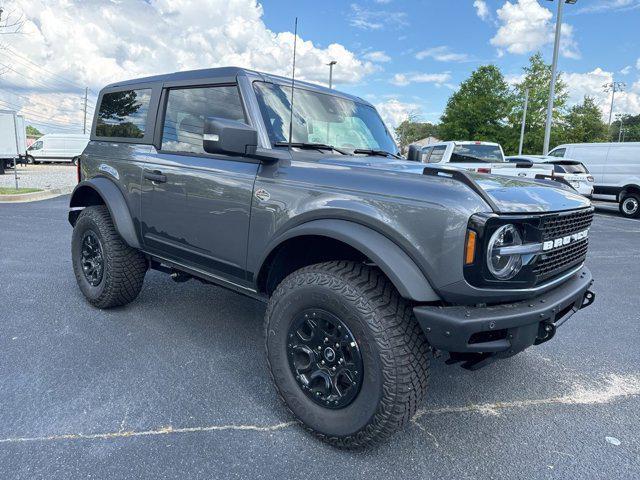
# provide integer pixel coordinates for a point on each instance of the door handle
(155, 176)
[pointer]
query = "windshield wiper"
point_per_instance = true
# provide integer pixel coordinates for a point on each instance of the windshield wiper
(312, 146)
(381, 153)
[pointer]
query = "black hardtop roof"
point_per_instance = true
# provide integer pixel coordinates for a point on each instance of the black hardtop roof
(228, 72)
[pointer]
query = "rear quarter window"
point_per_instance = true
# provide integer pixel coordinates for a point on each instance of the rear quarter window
(123, 114)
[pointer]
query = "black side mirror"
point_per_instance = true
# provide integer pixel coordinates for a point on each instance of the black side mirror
(414, 153)
(229, 137)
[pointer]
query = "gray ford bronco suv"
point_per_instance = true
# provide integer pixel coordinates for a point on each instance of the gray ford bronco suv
(368, 263)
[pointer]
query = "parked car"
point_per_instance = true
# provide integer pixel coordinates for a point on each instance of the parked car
(481, 157)
(573, 172)
(57, 147)
(13, 138)
(366, 261)
(615, 168)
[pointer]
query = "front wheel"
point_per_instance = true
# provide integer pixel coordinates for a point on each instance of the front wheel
(75, 160)
(630, 205)
(346, 353)
(108, 271)
(31, 160)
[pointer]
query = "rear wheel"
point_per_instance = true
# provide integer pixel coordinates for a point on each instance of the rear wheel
(108, 271)
(630, 205)
(75, 160)
(346, 353)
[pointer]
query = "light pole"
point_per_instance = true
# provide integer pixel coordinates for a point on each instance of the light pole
(613, 87)
(330, 65)
(524, 120)
(554, 66)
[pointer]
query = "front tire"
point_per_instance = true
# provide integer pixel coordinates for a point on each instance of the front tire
(630, 205)
(31, 160)
(378, 338)
(108, 271)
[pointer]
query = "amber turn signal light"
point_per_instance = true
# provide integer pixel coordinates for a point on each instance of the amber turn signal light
(470, 247)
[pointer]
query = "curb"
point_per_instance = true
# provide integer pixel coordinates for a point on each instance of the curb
(35, 196)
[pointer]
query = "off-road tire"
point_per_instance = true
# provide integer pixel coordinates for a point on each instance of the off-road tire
(632, 199)
(124, 267)
(394, 351)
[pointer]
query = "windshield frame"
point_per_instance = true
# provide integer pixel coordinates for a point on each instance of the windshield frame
(286, 87)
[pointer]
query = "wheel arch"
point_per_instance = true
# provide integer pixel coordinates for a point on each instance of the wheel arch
(630, 188)
(334, 239)
(101, 191)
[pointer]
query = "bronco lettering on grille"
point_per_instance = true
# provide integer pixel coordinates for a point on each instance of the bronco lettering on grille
(562, 241)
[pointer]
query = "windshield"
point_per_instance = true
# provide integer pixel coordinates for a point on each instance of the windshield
(321, 118)
(477, 153)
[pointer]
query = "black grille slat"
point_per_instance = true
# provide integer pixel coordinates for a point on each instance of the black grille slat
(561, 225)
(561, 259)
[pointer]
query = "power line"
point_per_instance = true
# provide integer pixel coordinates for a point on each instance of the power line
(32, 113)
(40, 67)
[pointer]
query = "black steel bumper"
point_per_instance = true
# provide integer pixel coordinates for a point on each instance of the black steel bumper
(501, 331)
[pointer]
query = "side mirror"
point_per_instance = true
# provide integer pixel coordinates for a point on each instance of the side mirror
(229, 137)
(414, 153)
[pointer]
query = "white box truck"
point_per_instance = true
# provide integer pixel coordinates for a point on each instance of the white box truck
(13, 138)
(57, 147)
(615, 168)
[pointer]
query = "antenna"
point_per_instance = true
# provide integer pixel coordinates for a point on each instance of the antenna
(293, 79)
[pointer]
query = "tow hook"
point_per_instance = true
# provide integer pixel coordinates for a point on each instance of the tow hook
(588, 299)
(546, 331)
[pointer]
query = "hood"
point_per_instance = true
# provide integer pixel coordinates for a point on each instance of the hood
(510, 195)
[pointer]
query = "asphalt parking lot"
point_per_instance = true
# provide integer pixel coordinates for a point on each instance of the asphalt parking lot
(175, 385)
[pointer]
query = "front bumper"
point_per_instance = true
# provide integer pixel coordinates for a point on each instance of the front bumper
(504, 330)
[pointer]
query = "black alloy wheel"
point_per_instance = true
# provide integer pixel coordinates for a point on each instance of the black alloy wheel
(324, 358)
(92, 258)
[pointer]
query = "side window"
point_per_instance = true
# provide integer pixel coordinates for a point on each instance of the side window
(437, 154)
(558, 152)
(424, 158)
(123, 114)
(186, 112)
(36, 145)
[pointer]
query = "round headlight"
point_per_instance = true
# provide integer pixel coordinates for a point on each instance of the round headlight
(502, 266)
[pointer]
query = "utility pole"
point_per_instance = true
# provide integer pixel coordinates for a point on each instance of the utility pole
(330, 65)
(524, 120)
(84, 126)
(613, 87)
(554, 66)
(621, 120)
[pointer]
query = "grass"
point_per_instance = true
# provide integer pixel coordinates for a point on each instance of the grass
(13, 191)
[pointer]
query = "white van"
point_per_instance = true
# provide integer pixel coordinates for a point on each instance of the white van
(615, 168)
(57, 147)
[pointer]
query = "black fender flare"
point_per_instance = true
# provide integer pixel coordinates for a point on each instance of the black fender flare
(84, 195)
(403, 272)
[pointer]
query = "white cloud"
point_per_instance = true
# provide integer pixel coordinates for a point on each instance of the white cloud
(404, 79)
(383, 2)
(482, 10)
(626, 70)
(94, 43)
(394, 112)
(362, 17)
(591, 83)
(377, 56)
(638, 64)
(442, 54)
(526, 26)
(610, 5)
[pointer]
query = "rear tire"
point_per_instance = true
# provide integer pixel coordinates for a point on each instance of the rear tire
(390, 344)
(108, 271)
(630, 205)
(74, 160)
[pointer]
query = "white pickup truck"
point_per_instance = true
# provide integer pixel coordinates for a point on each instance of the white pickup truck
(481, 157)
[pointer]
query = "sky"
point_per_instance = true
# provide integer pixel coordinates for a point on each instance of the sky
(405, 57)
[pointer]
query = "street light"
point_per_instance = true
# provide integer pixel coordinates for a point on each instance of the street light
(613, 87)
(554, 66)
(330, 65)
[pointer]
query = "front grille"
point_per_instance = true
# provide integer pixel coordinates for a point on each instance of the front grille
(556, 226)
(561, 259)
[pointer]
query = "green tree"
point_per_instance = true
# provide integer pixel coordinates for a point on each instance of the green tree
(33, 131)
(583, 123)
(411, 131)
(537, 78)
(630, 128)
(479, 110)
